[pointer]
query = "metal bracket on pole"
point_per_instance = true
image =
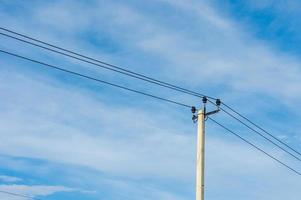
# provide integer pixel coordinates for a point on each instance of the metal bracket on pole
(217, 103)
(206, 114)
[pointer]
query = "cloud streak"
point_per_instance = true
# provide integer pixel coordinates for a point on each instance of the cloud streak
(31, 191)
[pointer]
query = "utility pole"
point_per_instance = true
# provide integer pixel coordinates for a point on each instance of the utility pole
(200, 159)
(200, 118)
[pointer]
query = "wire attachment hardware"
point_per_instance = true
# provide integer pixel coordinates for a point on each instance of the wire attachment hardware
(204, 99)
(218, 104)
(194, 116)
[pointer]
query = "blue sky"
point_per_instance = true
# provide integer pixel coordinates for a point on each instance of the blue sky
(66, 138)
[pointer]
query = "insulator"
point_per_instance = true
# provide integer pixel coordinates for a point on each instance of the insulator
(194, 118)
(204, 99)
(193, 109)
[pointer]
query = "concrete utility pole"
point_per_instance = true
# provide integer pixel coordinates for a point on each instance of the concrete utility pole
(200, 159)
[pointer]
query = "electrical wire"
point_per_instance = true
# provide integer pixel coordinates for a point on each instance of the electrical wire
(100, 63)
(262, 129)
(94, 79)
(19, 195)
(258, 133)
(133, 74)
(95, 64)
(256, 147)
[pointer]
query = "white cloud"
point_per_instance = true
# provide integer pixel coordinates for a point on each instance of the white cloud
(212, 49)
(9, 179)
(101, 147)
(32, 191)
(45, 133)
(205, 11)
(64, 12)
(142, 191)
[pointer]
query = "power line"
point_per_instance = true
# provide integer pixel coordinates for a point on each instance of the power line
(260, 134)
(259, 127)
(19, 195)
(138, 76)
(100, 63)
(94, 79)
(256, 147)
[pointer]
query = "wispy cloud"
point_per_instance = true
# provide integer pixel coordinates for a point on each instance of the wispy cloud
(9, 179)
(32, 191)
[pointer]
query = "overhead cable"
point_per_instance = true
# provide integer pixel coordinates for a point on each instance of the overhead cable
(256, 147)
(108, 66)
(97, 62)
(260, 134)
(94, 79)
(262, 129)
